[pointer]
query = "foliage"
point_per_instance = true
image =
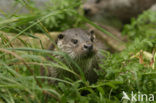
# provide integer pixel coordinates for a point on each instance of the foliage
(129, 70)
(143, 27)
(57, 15)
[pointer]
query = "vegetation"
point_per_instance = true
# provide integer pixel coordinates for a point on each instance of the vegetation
(133, 69)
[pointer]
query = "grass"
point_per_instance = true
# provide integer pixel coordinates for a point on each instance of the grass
(133, 69)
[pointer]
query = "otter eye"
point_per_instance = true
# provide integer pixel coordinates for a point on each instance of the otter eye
(74, 41)
(60, 36)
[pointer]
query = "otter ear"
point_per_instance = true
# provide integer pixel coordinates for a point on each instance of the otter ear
(92, 36)
(92, 32)
(60, 36)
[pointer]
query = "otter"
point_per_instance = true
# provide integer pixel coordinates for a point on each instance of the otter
(80, 46)
(121, 9)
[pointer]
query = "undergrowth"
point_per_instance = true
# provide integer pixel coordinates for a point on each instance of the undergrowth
(133, 69)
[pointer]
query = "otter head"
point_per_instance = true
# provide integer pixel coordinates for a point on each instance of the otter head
(77, 43)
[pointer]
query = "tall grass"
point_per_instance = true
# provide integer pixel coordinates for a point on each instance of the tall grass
(20, 78)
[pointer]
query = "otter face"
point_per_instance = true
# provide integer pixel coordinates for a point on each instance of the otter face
(77, 43)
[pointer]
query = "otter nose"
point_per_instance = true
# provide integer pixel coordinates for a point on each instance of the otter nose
(88, 47)
(86, 11)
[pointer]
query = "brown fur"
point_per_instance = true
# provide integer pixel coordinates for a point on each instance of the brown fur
(122, 9)
(80, 47)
